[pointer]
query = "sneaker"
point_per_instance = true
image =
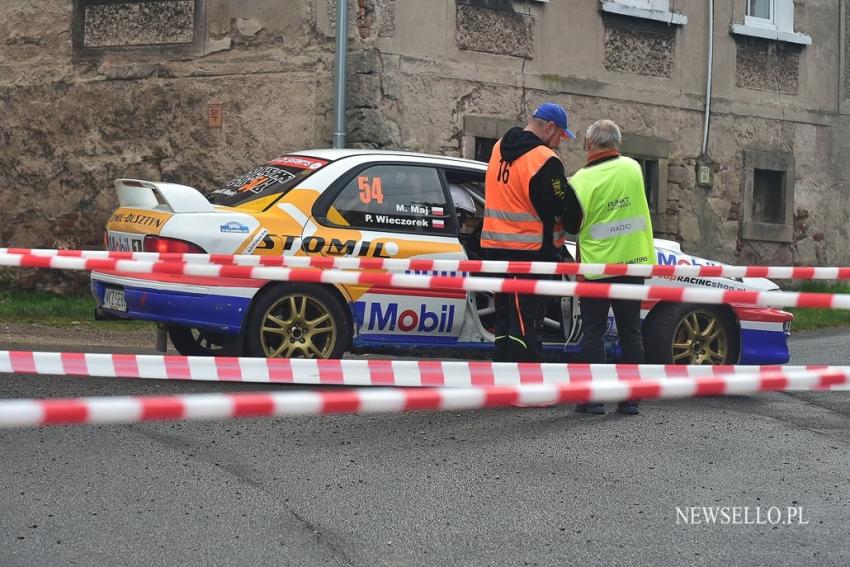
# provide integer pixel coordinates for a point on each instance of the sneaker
(628, 408)
(594, 408)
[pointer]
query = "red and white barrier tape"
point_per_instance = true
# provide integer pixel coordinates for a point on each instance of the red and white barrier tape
(390, 280)
(22, 413)
(470, 266)
(406, 373)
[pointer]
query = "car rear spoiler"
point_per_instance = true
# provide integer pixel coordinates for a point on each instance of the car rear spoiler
(169, 197)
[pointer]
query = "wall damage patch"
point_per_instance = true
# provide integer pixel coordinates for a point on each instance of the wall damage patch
(495, 31)
(642, 51)
(766, 65)
(156, 22)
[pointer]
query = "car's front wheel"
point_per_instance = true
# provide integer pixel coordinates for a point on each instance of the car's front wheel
(691, 334)
(297, 321)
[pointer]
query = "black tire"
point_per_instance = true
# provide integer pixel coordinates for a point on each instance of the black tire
(198, 342)
(689, 333)
(308, 322)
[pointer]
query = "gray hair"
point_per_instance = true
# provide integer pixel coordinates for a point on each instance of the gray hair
(604, 134)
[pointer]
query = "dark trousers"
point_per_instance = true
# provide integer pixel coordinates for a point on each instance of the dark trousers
(594, 320)
(519, 319)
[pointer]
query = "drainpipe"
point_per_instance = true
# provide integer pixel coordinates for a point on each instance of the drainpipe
(703, 169)
(339, 77)
(704, 152)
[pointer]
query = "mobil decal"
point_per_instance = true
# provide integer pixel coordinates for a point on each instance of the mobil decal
(392, 317)
(673, 259)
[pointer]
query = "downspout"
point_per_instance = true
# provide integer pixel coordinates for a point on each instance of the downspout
(704, 151)
(340, 75)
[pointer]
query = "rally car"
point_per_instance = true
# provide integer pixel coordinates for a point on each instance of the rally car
(372, 204)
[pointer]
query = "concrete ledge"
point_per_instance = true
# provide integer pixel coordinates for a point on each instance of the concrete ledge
(667, 17)
(766, 231)
(765, 33)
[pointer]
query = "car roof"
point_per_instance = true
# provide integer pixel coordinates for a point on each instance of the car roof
(331, 154)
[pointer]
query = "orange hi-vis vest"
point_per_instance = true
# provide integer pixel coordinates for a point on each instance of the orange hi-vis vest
(510, 220)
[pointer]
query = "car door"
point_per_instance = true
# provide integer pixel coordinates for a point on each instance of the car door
(393, 210)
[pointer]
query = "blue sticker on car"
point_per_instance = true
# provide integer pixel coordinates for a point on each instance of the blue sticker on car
(234, 226)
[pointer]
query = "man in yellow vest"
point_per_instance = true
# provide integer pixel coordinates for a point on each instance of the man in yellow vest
(528, 205)
(616, 229)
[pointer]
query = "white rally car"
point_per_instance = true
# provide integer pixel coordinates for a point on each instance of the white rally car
(380, 204)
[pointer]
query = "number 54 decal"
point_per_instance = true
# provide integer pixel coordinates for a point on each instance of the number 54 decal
(370, 190)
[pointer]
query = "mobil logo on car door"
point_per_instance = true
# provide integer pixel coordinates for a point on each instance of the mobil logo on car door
(409, 317)
(394, 210)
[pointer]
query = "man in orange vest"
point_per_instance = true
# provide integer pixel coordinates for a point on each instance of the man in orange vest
(528, 207)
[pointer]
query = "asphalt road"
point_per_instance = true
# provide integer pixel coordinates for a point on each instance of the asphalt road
(513, 487)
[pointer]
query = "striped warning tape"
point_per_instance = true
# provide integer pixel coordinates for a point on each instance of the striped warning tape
(373, 372)
(387, 279)
(470, 266)
(22, 413)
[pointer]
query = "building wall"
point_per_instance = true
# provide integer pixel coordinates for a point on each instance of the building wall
(129, 95)
(649, 77)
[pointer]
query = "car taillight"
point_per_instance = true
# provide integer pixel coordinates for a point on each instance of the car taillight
(164, 245)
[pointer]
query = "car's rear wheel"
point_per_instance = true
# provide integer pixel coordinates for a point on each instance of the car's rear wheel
(297, 321)
(198, 342)
(691, 334)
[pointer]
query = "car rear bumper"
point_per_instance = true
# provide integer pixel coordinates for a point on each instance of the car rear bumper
(216, 308)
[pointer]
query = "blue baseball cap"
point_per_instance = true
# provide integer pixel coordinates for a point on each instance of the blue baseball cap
(551, 112)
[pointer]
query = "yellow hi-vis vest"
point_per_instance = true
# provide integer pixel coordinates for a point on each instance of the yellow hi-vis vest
(510, 219)
(616, 227)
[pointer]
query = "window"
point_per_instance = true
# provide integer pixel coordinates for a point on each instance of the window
(483, 148)
(766, 14)
(480, 134)
(770, 19)
(768, 196)
(265, 184)
(649, 9)
(653, 156)
(760, 9)
(395, 198)
(650, 181)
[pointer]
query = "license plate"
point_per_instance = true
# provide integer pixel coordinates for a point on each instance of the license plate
(126, 242)
(114, 299)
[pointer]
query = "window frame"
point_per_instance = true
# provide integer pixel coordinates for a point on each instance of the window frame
(779, 27)
(767, 231)
(758, 21)
(640, 147)
(326, 200)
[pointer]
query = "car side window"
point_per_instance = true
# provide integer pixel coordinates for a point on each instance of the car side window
(398, 198)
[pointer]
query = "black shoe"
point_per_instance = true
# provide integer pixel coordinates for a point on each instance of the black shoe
(594, 408)
(628, 408)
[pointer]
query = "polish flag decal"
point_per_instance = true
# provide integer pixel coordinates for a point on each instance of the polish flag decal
(438, 223)
(437, 211)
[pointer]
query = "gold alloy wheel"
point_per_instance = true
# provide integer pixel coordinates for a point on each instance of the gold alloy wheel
(298, 325)
(700, 338)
